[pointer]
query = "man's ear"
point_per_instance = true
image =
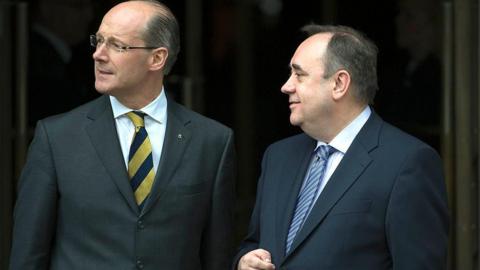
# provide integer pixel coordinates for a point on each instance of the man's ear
(342, 84)
(158, 59)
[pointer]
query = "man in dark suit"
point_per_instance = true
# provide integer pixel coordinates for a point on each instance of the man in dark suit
(352, 192)
(131, 179)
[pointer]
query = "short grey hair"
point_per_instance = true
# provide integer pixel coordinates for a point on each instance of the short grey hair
(162, 30)
(352, 51)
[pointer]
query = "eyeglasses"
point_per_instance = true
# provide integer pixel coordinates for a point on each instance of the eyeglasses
(97, 41)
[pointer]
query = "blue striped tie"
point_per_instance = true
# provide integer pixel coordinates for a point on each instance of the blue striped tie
(309, 191)
(140, 161)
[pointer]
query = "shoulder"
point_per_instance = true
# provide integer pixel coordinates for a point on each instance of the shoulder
(378, 133)
(78, 116)
(400, 139)
(397, 146)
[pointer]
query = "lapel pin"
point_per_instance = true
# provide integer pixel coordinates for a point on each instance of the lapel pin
(180, 136)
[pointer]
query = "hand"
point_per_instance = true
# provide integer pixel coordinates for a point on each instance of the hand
(258, 259)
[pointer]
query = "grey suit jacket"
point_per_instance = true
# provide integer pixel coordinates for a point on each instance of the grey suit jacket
(76, 209)
(383, 208)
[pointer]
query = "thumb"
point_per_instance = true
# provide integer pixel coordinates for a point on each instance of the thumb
(264, 255)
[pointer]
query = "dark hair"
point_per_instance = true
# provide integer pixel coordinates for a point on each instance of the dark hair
(162, 30)
(352, 51)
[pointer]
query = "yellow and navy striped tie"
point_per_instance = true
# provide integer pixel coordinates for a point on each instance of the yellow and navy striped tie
(140, 161)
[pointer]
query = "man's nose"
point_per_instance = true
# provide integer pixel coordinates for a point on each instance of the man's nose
(288, 87)
(100, 52)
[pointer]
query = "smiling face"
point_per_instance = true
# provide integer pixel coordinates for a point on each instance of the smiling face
(123, 74)
(310, 95)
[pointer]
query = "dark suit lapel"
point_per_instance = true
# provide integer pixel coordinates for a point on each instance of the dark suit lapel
(289, 187)
(355, 161)
(104, 137)
(177, 138)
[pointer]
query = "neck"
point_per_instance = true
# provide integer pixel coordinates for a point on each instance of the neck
(340, 118)
(144, 94)
(139, 99)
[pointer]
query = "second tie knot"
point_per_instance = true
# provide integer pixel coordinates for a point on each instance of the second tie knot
(137, 119)
(323, 152)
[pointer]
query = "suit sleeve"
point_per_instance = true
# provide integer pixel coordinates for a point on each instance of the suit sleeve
(417, 214)
(217, 247)
(35, 208)
(251, 242)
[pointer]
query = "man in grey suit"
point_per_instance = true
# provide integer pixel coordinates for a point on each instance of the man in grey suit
(351, 192)
(92, 196)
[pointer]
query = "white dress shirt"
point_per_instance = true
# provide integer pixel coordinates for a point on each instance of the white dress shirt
(341, 143)
(155, 124)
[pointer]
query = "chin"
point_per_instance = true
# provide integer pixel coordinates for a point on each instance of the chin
(102, 89)
(295, 121)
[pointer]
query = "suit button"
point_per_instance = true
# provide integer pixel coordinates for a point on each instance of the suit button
(140, 224)
(140, 264)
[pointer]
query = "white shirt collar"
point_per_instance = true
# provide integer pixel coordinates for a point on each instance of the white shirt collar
(344, 139)
(157, 109)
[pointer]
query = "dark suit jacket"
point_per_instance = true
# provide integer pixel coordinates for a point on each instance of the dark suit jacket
(384, 207)
(76, 209)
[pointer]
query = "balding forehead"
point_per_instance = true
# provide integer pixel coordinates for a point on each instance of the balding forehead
(134, 5)
(317, 42)
(131, 10)
(321, 37)
(159, 7)
(147, 8)
(126, 18)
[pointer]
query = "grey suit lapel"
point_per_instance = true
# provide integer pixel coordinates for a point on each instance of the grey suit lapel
(177, 138)
(355, 161)
(288, 188)
(104, 137)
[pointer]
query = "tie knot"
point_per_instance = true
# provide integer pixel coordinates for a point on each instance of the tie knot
(323, 152)
(137, 119)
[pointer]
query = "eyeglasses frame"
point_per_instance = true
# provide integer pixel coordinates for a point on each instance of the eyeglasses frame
(94, 43)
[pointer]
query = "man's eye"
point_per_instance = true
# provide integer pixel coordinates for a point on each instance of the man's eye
(117, 46)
